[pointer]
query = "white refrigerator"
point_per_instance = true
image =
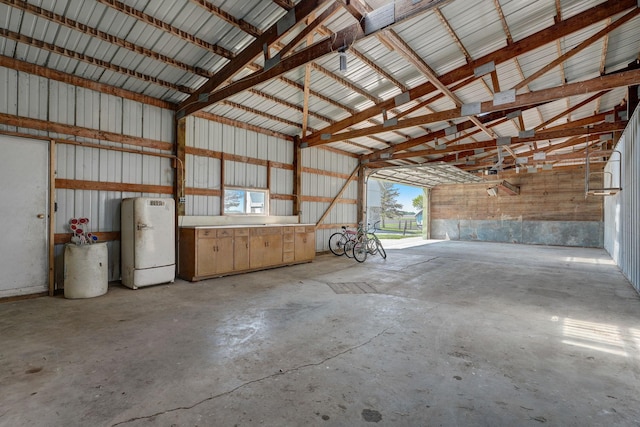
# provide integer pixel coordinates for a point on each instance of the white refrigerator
(147, 241)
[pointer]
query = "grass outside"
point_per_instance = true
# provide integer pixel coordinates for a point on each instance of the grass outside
(399, 228)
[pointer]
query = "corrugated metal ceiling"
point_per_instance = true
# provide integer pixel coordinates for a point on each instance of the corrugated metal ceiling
(169, 48)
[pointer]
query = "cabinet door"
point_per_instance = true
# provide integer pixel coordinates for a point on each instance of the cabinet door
(206, 250)
(241, 253)
(274, 249)
(224, 255)
(257, 251)
(305, 246)
(215, 256)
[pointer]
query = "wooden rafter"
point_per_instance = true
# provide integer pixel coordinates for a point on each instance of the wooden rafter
(503, 20)
(344, 82)
(202, 97)
(101, 35)
(70, 79)
(453, 34)
(307, 32)
(605, 82)
(50, 47)
(72, 24)
(492, 144)
(220, 13)
(550, 34)
(155, 22)
(356, 8)
(434, 136)
(584, 44)
(285, 4)
(378, 69)
(405, 50)
(571, 109)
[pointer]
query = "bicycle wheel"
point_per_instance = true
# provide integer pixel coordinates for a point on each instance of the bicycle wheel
(381, 250)
(360, 251)
(372, 247)
(337, 243)
(348, 248)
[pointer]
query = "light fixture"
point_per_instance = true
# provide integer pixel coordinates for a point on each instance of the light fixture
(343, 61)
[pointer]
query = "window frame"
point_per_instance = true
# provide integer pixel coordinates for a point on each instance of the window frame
(246, 202)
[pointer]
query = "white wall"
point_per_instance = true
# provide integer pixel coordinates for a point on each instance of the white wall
(622, 211)
(36, 97)
(318, 178)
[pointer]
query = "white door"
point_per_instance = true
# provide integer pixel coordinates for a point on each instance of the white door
(24, 190)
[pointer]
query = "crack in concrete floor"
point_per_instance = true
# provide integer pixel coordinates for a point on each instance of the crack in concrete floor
(228, 392)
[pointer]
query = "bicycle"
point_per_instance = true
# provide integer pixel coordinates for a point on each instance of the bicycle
(368, 243)
(341, 243)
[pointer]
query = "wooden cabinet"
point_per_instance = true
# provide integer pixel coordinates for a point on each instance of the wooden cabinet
(241, 249)
(216, 251)
(305, 243)
(288, 244)
(265, 247)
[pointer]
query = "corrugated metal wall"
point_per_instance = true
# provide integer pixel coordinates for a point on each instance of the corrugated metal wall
(35, 97)
(621, 217)
(324, 174)
(327, 186)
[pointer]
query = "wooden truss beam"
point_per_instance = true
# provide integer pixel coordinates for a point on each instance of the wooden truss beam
(583, 45)
(547, 35)
(563, 133)
(611, 81)
(202, 97)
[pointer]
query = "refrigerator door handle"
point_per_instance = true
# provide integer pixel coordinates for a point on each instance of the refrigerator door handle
(141, 226)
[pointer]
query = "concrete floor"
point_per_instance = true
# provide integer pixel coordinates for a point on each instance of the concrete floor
(450, 333)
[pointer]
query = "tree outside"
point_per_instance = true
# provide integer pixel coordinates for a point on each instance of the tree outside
(418, 202)
(389, 201)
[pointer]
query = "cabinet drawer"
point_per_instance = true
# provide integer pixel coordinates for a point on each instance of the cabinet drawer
(288, 257)
(241, 232)
(305, 229)
(288, 246)
(206, 233)
(225, 232)
(288, 237)
(266, 231)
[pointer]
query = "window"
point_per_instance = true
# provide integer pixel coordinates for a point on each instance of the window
(242, 201)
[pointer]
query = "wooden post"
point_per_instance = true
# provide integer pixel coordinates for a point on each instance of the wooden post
(297, 177)
(181, 142)
(52, 212)
(222, 184)
(362, 194)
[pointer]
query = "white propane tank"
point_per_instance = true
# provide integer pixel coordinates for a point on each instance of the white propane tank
(85, 270)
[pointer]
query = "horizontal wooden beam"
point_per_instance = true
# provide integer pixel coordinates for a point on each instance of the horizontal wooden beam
(192, 191)
(43, 125)
(103, 236)
(623, 79)
(317, 199)
(562, 133)
(76, 184)
(48, 73)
